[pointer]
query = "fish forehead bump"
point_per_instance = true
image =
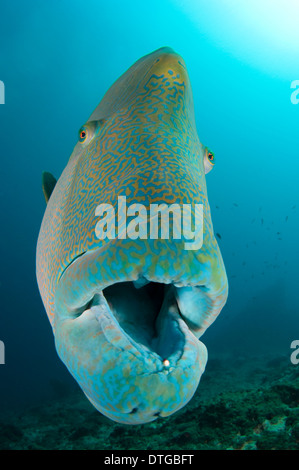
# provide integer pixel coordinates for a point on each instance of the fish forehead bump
(160, 70)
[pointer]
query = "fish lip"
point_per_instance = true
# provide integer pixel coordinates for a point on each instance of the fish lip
(82, 256)
(148, 369)
(89, 303)
(200, 299)
(81, 341)
(148, 348)
(182, 366)
(84, 305)
(79, 310)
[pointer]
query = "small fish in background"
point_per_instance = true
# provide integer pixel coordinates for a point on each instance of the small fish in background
(217, 207)
(262, 221)
(287, 218)
(244, 263)
(218, 235)
(253, 220)
(294, 207)
(260, 209)
(235, 204)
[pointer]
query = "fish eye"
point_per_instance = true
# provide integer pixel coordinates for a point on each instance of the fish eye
(209, 160)
(83, 134)
(211, 157)
(88, 131)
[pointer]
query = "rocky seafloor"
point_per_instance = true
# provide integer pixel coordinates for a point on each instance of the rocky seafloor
(242, 403)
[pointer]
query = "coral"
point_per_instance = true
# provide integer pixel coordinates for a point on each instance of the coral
(245, 411)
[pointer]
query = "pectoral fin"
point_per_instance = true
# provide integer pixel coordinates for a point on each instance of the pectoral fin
(48, 184)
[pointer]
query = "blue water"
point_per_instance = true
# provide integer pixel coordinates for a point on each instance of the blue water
(57, 59)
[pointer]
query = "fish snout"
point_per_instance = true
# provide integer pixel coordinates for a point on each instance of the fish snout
(128, 329)
(131, 352)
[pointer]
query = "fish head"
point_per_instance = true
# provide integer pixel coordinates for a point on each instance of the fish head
(128, 292)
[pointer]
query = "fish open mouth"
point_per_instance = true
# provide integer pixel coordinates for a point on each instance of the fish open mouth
(141, 314)
(140, 300)
(130, 339)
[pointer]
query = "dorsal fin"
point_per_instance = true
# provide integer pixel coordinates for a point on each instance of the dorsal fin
(48, 184)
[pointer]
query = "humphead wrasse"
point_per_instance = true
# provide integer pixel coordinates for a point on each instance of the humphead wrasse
(127, 312)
